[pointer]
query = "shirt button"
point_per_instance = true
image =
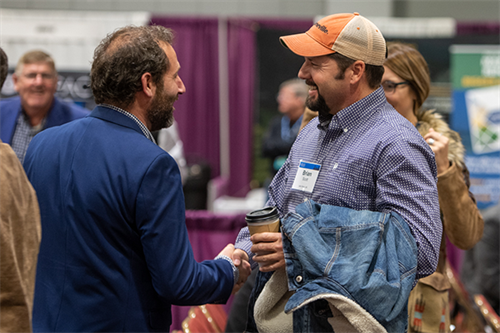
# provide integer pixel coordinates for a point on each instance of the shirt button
(298, 279)
(345, 130)
(335, 166)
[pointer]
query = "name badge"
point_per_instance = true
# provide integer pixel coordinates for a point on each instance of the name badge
(306, 176)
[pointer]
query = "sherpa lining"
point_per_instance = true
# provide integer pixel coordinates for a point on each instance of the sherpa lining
(348, 316)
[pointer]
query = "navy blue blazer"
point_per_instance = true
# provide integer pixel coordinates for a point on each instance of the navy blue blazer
(60, 113)
(115, 252)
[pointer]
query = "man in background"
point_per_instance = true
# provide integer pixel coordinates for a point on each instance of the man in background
(115, 253)
(284, 128)
(19, 237)
(36, 108)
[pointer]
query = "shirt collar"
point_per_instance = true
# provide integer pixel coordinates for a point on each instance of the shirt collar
(350, 116)
(26, 120)
(141, 125)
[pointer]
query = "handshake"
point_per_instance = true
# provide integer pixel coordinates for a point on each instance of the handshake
(268, 249)
(240, 260)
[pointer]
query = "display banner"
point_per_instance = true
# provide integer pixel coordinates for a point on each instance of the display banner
(475, 73)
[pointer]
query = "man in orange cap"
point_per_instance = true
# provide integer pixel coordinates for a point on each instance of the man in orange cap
(360, 154)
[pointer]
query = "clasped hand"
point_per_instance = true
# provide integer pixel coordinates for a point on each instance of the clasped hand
(243, 265)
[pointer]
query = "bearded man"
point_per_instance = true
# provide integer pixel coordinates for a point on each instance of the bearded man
(358, 162)
(115, 253)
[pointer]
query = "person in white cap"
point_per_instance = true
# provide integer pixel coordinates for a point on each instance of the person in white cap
(359, 153)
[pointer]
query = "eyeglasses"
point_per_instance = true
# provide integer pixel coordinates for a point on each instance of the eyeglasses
(390, 87)
(45, 76)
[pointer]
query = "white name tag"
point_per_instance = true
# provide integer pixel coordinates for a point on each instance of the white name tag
(306, 176)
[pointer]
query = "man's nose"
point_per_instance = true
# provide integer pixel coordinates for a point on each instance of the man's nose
(303, 73)
(38, 79)
(181, 87)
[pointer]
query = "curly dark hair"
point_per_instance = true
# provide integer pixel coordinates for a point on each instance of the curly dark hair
(373, 73)
(4, 67)
(123, 57)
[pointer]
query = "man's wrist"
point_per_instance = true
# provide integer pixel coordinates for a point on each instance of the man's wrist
(236, 272)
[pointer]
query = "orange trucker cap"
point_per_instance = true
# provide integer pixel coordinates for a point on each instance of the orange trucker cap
(351, 35)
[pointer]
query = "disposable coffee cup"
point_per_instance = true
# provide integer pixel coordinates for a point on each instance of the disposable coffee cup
(263, 220)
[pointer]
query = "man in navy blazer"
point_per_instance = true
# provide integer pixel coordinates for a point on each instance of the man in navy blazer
(36, 108)
(115, 253)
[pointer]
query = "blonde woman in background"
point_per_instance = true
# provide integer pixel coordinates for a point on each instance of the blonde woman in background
(406, 83)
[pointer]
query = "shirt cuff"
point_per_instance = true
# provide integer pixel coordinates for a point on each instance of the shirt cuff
(236, 272)
(244, 243)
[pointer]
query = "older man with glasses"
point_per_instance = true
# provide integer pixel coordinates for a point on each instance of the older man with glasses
(36, 108)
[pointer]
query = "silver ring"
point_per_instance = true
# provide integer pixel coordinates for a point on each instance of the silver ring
(431, 141)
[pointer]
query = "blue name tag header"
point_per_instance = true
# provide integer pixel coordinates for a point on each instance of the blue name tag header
(311, 166)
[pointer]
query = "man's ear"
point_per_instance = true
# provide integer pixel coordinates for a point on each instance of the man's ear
(15, 79)
(358, 69)
(148, 86)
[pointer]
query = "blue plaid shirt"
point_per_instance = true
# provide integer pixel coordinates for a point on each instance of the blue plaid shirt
(23, 134)
(373, 159)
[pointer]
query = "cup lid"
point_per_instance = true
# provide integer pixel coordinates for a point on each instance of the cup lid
(262, 214)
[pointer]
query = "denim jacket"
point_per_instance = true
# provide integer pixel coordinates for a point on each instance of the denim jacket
(361, 257)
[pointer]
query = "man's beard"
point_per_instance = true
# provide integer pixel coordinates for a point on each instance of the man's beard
(318, 105)
(161, 112)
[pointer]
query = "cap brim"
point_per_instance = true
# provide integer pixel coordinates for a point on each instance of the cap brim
(303, 45)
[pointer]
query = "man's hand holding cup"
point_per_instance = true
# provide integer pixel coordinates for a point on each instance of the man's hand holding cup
(264, 226)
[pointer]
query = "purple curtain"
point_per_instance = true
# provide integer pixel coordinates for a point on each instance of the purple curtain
(478, 28)
(241, 58)
(197, 111)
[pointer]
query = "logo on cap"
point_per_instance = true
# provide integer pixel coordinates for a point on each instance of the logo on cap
(321, 27)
